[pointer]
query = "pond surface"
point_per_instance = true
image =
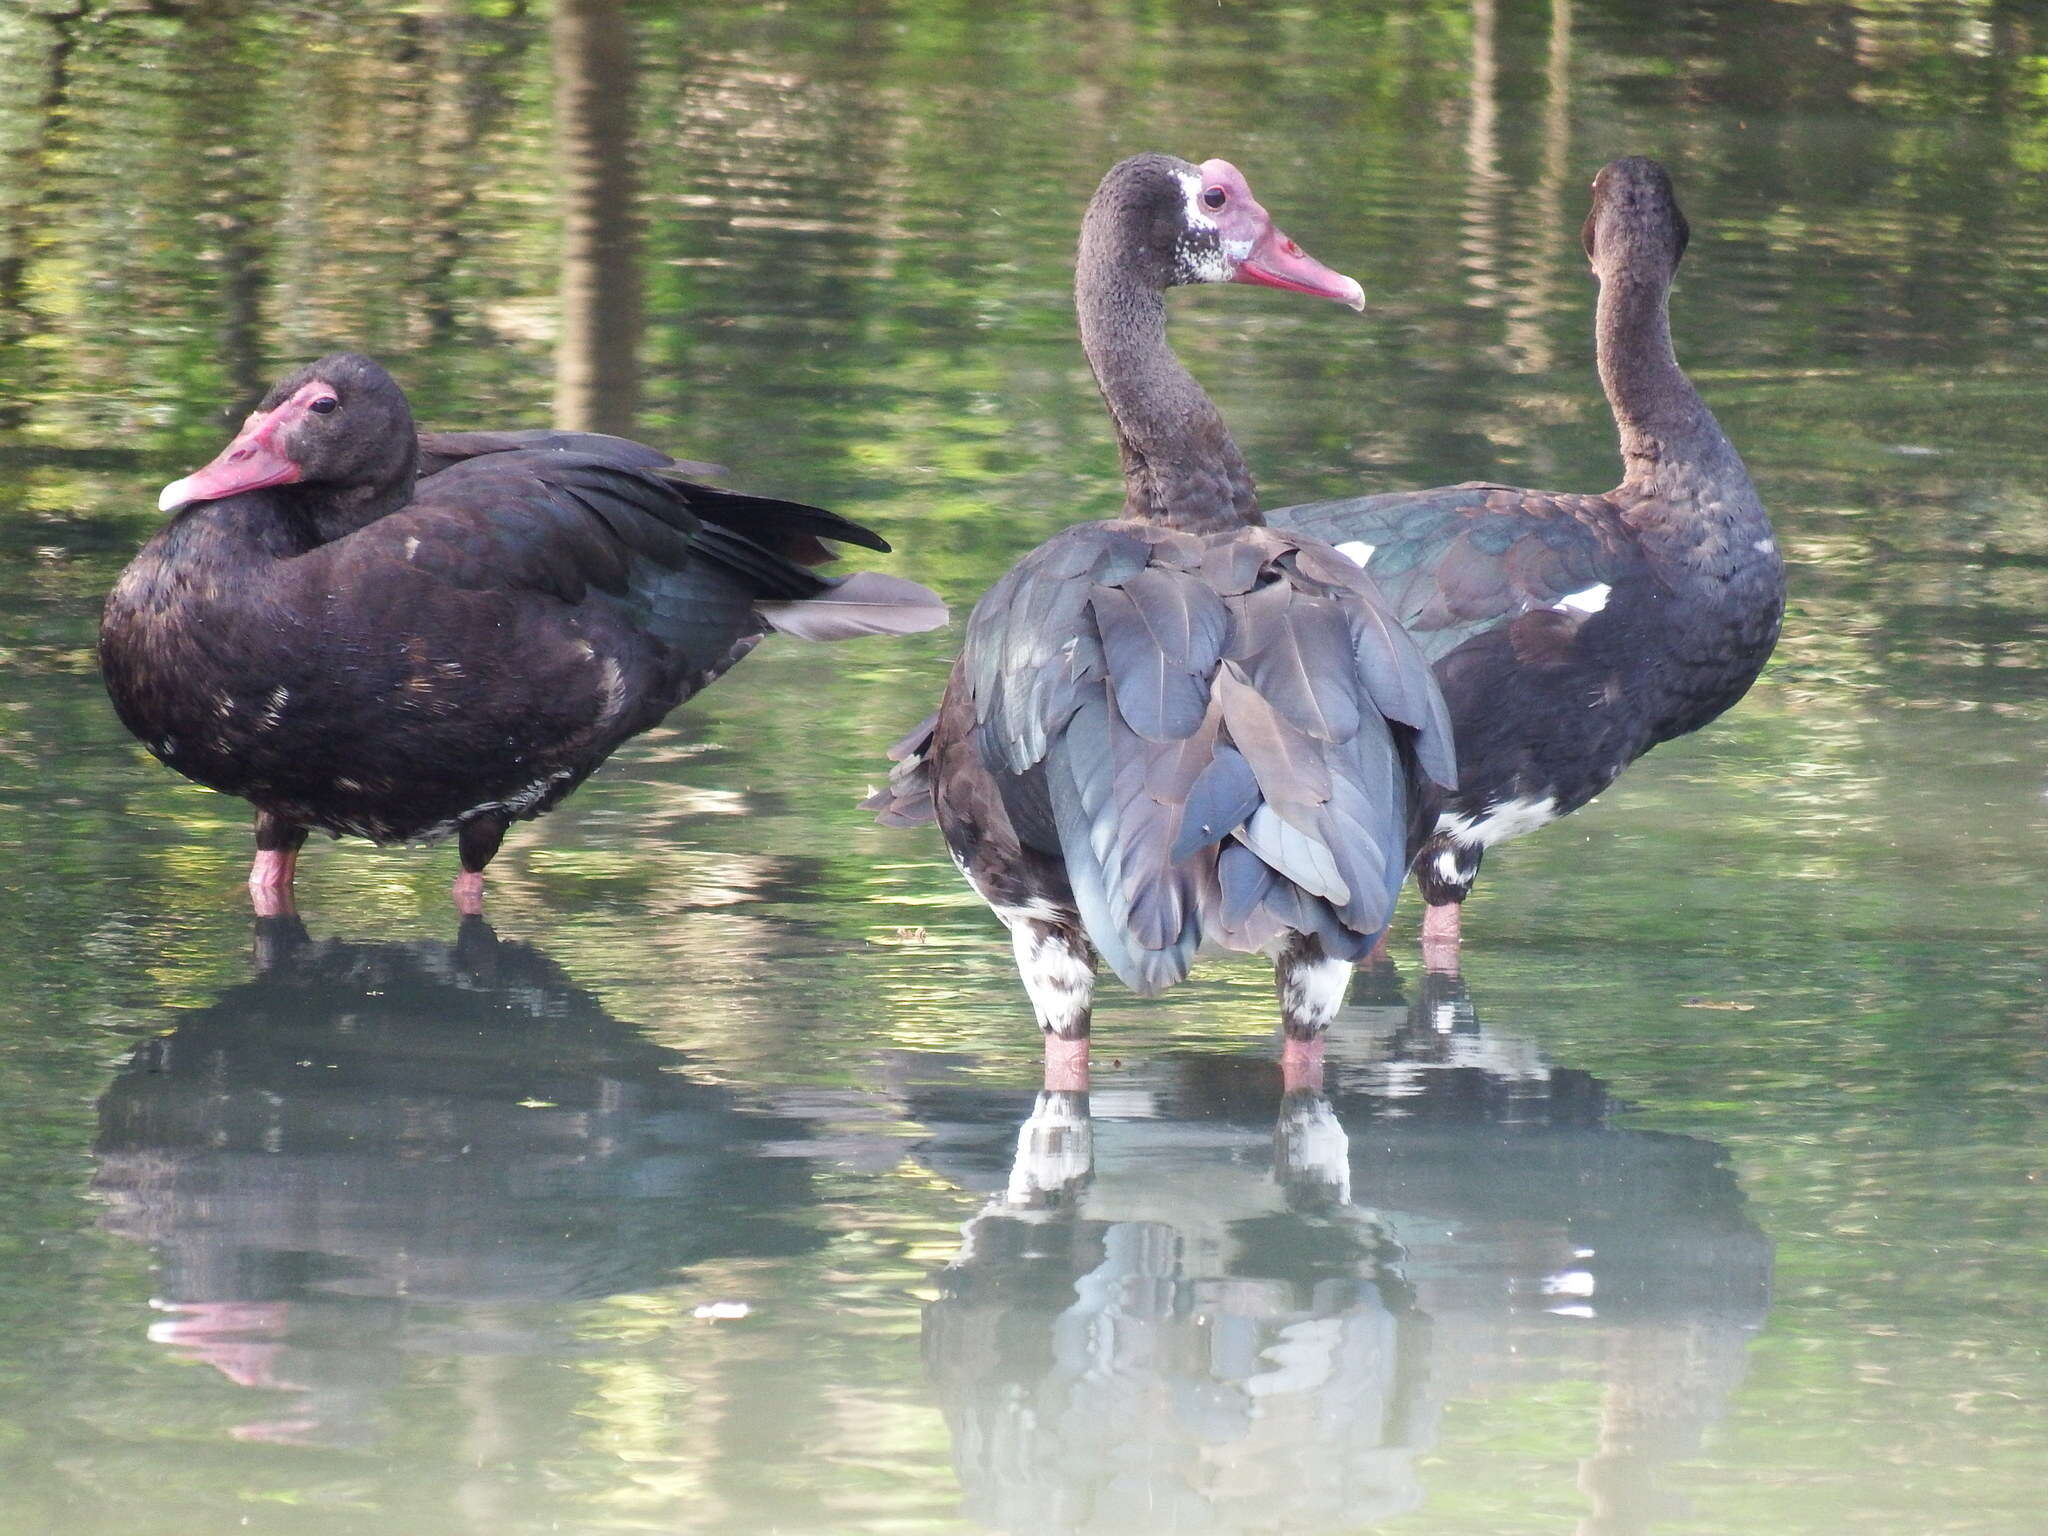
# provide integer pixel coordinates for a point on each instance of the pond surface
(705, 1186)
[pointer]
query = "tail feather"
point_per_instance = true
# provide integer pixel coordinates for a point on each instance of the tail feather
(865, 603)
(906, 800)
(790, 528)
(764, 575)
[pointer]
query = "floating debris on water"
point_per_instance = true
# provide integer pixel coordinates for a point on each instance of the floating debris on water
(722, 1311)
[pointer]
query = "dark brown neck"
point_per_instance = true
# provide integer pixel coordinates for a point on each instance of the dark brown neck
(218, 550)
(1180, 466)
(1684, 488)
(1666, 429)
(332, 511)
(252, 529)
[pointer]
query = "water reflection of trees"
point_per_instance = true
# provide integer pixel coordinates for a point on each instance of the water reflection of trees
(597, 366)
(1238, 1297)
(841, 289)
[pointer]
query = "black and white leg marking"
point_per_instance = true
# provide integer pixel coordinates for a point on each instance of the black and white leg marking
(1058, 967)
(1311, 986)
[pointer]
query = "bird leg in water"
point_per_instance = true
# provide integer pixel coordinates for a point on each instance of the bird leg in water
(1056, 1144)
(478, 845)
(277, 863)
(1301, 1064)
(1066, 1064)
(1440, 936)
(1311, 1152)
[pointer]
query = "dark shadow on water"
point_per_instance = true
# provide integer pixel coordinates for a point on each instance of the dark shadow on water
(1215, 1294)
(371, 1152)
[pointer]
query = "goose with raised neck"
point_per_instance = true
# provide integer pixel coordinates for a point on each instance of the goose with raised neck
(1573, 633)
(1179, 727)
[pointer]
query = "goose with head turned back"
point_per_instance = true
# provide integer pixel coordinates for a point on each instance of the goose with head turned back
(356, 650)
(1179, 727)
(1573, 633)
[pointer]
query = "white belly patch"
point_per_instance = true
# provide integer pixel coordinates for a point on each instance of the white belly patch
(1498, 823)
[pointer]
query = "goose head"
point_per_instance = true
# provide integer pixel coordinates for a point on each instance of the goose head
(341, 422)
(1165, 222)
(1636, 227)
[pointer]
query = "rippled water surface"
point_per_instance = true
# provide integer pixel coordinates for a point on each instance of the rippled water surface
(706, 1187)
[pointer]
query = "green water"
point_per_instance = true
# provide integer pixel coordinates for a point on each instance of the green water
(390, 1226)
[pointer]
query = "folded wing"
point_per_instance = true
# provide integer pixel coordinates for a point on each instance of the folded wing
(1220, 736)
(1455, 562)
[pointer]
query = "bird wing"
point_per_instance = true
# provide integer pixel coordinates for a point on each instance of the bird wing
(592, 531)
(906, 799)
(1216, 734)
(791, 528)
(440, 450)
(1454, 562)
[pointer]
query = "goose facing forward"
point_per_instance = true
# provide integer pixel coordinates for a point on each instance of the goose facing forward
(1573, 633)
(1180, 727)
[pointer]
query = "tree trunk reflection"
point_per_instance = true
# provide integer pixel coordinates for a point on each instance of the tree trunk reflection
(597, 382)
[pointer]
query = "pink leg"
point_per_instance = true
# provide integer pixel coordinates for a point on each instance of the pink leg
(1066, 1064)
(1440, 937)
(1301, 1064)
(270, 881)
(478, 842)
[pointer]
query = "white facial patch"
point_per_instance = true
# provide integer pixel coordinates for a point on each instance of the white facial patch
(1358, 552)
(1205, 261)
(1589, 601)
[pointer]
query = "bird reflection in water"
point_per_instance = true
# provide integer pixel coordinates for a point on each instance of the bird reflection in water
(371, 1152)
(1226, 1294)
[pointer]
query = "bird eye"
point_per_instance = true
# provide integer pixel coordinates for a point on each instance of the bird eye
(1213, 197)
(323, 405)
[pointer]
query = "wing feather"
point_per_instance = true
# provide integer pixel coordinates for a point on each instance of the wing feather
(1218, 734)
(1454, 562)
(1296, 653)
(1155, 691)
(1218, 801)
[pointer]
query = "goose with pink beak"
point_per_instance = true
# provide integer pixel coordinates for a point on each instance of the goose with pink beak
(1179, 728)
(357, 648)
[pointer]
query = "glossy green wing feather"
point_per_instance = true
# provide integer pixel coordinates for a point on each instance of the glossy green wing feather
(1453, 562)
